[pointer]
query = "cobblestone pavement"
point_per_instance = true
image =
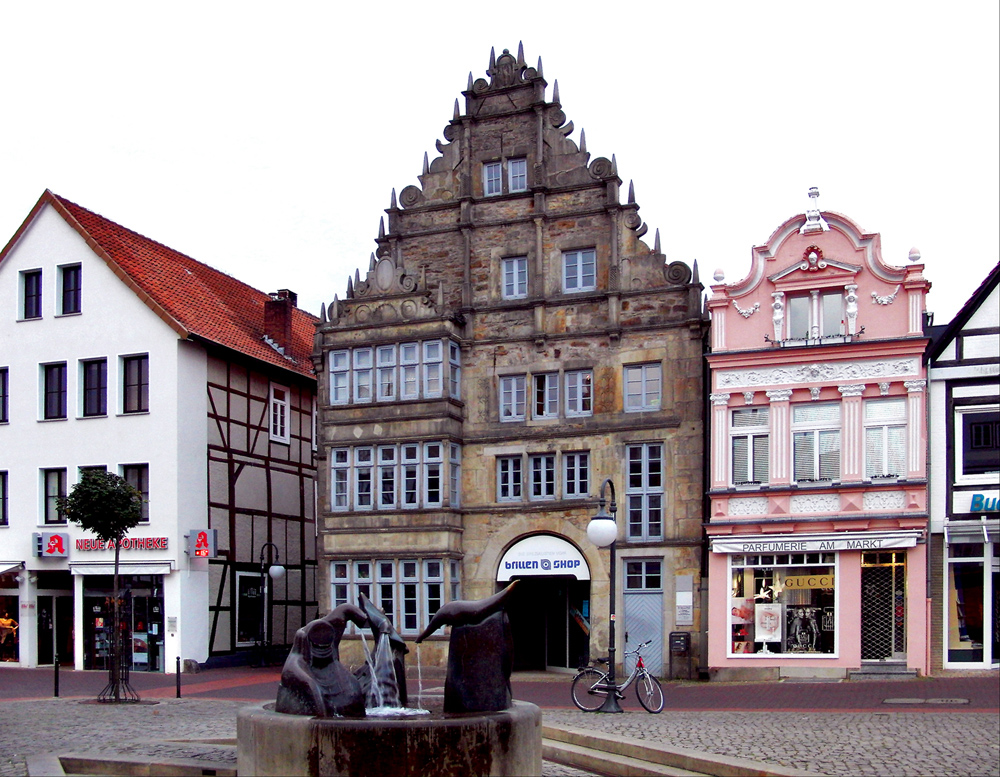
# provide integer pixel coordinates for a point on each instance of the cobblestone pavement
(868, 743)
(893, 744)
(63, 726)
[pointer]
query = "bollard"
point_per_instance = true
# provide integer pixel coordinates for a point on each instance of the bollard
(55, 678)
(178, 675)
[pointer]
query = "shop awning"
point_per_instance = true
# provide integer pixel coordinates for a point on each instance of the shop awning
(817, 543)
(542, 555)
(983, 530)
(124, 568)
(10, 566)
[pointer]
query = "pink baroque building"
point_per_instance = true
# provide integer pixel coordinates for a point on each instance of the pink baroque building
(818, 511)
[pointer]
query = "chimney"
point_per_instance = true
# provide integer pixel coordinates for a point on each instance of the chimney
(278, 317)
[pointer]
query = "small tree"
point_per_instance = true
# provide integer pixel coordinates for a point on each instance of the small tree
(108, 506)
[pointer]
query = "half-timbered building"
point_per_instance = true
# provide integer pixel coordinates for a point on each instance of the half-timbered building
(123, 354)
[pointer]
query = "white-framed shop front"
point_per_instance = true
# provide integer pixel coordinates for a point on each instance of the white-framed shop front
(823, 601)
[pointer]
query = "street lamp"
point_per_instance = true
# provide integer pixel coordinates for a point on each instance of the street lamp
(603, 531)
(276, 572)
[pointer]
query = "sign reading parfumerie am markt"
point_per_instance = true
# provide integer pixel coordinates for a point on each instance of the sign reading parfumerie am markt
(816, 543)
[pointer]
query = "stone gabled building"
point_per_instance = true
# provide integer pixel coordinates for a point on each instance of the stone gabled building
(513, 344)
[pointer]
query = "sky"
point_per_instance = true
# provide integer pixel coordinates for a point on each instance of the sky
(266, 140)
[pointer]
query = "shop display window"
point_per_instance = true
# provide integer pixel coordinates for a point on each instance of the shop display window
(783, 604)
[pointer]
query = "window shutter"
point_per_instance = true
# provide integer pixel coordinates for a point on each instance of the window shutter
(829, 455)
(740, 460)
(897, 450)
(761, 447)
(803, 453)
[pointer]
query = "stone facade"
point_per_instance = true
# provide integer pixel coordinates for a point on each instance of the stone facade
(514, 343)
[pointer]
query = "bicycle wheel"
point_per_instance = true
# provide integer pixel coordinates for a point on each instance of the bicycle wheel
(649, 693)
(585, 695)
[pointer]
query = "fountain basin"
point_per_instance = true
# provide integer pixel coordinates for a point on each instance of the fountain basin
(486, 743)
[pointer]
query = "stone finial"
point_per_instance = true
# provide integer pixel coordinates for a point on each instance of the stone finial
(381, 228)
(719, 276)
(656, 242)
(427, 166)
(614, 165)
(914, 255)
(469, 88)
(371, 262)
(814, 219)
(392, 200)
(539, 68)
(493, 58)
(555, 91)
(583, 140)
(350, 286)
(695, 278)
(631, 193)
(520, 54)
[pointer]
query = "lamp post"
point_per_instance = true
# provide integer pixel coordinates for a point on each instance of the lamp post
(276, 572)
(603, 531)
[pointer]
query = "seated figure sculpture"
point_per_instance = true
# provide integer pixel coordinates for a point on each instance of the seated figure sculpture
(480, 654)
(313, 681)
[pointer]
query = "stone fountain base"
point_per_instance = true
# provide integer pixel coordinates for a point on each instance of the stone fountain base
(486, 743)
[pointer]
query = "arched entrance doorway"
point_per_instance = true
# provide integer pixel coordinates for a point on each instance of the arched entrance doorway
(550, 609)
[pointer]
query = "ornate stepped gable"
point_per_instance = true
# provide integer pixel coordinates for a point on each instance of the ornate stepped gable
(409, 289)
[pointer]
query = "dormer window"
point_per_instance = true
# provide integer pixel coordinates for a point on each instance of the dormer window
(815, 315)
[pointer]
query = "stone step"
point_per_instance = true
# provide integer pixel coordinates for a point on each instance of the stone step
(883, 670)
(651, 754)
(600, 762)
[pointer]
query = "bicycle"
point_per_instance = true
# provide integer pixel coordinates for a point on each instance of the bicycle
(591, 686)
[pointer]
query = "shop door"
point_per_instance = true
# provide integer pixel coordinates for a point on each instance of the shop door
(883, 606)
(549, 621)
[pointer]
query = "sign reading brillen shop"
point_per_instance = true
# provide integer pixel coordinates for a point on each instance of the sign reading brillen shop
(542, 555)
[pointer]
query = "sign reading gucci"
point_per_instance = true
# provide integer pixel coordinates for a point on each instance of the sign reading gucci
(798, 582)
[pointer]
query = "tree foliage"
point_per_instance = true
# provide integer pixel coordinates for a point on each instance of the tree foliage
(103, 503)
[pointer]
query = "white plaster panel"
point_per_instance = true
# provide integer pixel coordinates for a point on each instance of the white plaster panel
(883, 500)
(820, 371)
(981, 347)
(815, 503)
(751, 505)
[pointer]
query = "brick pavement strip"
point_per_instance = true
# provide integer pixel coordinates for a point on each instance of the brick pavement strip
(868, 743)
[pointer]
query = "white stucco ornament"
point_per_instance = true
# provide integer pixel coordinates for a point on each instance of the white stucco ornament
(914, 254)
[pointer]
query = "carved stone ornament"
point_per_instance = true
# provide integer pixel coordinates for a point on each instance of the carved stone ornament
(780, 395)
(751, 505)
(814, 393)
(915, 386)
(883, 388)
(847, 371)
(883, 500)
(886, 300)
(505, 71)
(813, 259)
(814, 503)
(677, 274)
(852, 390)
(851, 300)
(748, 397)
(719, 399)
(603, 168)
(778, 317)
(383, 278)
(749, 311)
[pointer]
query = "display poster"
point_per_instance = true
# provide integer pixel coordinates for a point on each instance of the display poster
(767, 622)
(742, 611)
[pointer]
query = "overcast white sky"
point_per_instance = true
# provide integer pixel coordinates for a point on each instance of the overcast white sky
(265, 140)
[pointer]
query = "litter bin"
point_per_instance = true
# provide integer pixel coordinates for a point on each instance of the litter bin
(680, 647)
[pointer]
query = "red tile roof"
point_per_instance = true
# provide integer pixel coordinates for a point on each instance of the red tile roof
(194, 299)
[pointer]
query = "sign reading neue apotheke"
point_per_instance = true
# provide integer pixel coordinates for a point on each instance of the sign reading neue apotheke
(816, 543)
(129, 543)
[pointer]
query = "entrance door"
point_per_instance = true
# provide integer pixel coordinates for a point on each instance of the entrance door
(644, 611)
(883, 606)
(549, 621)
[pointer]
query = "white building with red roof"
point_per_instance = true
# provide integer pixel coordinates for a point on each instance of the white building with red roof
(119, 353)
